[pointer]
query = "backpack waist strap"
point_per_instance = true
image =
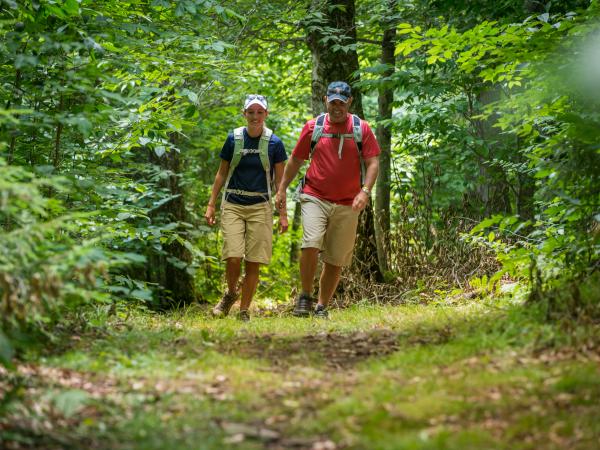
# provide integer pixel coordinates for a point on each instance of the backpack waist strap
(246, 193)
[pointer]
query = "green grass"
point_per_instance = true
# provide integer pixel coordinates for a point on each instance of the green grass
(472, 376)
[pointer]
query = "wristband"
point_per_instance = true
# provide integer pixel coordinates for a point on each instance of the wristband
(366, 190)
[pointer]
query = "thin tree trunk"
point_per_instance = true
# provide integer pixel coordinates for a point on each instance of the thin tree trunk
(59, 128)
(13, 138)
(384, 136)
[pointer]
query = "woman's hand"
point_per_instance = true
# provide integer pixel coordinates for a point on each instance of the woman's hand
(209, 215)
(283, 221)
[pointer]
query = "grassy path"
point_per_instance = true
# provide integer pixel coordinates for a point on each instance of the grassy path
(470, 376)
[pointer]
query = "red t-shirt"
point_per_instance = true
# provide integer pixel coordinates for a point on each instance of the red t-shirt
(329, 177)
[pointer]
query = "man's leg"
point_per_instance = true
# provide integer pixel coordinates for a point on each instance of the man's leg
(337, 253)
(314, 223)
(330, 277)
(309, 260)
(249, 284)
(308, 267)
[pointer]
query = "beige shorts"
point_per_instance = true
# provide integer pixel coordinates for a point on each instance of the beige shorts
(247, 231)
(329, 227)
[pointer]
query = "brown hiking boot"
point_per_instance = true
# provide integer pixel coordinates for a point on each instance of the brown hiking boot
(223, 307)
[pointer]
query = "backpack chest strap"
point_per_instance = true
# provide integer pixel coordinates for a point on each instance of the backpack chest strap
(250, 151)
(341, 137)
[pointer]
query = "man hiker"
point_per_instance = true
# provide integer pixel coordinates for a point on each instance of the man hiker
(250, 157)
(334, 192)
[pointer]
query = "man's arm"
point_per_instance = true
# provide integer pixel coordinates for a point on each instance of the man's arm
(372, 170)
(290, 172)
(283, 219)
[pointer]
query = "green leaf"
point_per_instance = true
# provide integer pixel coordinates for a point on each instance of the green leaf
(134, 257)
(68, 403)
(218, 46)
(124, 215)
(71, 7)
(142, 294)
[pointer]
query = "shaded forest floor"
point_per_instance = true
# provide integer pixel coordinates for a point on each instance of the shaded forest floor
(438, 376)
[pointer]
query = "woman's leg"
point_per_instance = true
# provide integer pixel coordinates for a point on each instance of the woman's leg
(249, 284)
(233, 267)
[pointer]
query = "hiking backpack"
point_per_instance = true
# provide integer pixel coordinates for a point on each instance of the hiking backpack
(239, 151)
(356, 135)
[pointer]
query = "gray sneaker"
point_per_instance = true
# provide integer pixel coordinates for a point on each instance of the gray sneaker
(243, 315)
(303, 307)
(321, 312)
(222, 308)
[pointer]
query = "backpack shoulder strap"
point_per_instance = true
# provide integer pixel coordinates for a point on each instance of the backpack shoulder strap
(238, 139)
(357, 131)
(238, 145)
(263, 148)
(317, 132)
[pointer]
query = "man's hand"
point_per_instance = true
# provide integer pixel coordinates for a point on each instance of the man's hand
(209, 215)
(360, 201)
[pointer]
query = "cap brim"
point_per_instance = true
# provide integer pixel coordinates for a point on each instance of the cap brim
(333, 97)
(255, 102)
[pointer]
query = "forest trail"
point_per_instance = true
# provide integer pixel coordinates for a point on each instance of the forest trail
(479, 375)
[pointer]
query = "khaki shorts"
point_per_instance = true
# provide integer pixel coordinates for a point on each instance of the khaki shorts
(329, 227)
(247, 231)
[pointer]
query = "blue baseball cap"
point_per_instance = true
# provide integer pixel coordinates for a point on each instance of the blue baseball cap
(338, 90)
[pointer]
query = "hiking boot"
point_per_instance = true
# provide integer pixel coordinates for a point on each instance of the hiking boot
(243, 315)
(321, 312)
(223, 307)
(303, 307)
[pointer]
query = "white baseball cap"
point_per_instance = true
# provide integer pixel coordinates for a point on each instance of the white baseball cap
(255, 99)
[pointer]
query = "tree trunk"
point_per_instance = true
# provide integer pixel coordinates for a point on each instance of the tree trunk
(335, 27)
(492, 190)
(170, 269)
(328, 64)
(384, 137)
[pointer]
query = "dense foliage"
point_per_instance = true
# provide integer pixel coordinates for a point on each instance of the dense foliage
(112, 114)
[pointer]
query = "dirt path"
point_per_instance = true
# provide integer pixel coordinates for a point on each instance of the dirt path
(391, 379)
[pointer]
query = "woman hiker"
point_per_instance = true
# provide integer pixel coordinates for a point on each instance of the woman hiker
(250, 158)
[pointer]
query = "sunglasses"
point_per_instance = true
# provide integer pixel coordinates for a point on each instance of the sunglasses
(250, 97)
